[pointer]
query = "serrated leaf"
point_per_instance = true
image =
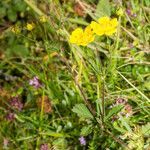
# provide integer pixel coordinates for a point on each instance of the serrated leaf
(82, 111)
(113, 111)
(103, 8)
(86, 130)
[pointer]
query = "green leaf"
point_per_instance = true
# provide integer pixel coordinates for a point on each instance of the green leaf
(2, 12)
(12, 15)
(103, 8)
(60, 144)
(19, 5)
(86, 130)
(147, 2)
(125, 123)
(116, 126)
(18, 50)
(82, 111)
(146, 129)
(113, 111)
(52, 133)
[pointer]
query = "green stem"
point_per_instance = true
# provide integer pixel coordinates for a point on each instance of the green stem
(114, 56)
(41, 118)
(31, 5)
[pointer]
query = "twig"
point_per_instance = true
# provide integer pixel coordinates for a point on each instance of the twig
(129, 33)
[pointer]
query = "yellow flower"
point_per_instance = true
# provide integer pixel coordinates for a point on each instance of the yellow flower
(97, 28)
(81, 37)
(16, 29)
(43, 19)
(30, 26)
(88, 36)
(112, 27)
(104, 20)
(120, 12)
(76, 36)
(104, 26)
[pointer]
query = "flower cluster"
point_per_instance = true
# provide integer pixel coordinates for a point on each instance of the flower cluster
(35, 82)
(16, 29)
(30, 26)
(10, 116)
(82, 37)
(130, 13)
(126, 111)
(44, 147)
(104, 26)
(15, 103)
(82, 140)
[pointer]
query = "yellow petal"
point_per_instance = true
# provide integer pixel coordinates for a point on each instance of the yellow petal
(76, 36)
(30, 26)
(110, 32)
(72, 39)
(104, 20)
(97, 28)
(94, 25)
(88, 30)
(88, 35)
(77, 31)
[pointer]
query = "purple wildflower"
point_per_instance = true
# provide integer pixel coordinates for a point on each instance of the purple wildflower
(120, 101)
(134, 15)
(44, 147)
(10, 116)
(35, 82)
(128, 11)
(82, 140)
(128, 110)
(16, 103)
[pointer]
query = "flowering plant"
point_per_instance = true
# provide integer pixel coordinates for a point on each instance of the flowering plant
(104, 26)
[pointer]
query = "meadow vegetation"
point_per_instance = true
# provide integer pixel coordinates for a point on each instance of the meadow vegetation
(74, 75)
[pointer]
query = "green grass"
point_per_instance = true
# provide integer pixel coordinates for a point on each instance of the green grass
(80, 86)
